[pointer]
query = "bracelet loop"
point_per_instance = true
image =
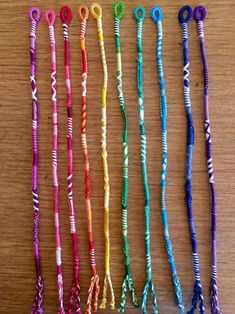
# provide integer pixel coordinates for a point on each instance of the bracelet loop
(199, 13)
(96, 10)
(66, 15)
(119, 9)
(34, 14)
(83, 12)
(50, 17)
(156, 14)
(139, 13)
(186, 10)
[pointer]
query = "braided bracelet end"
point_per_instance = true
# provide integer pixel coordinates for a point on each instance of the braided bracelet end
(156, 14)
(50, 17)
(185, 14)
(199, 13)
(83, 12)
(119, 9)
(66, 14)
(34, 14)
(96, 10)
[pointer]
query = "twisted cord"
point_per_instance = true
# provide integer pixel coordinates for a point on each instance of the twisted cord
(37, 307)
(51, 14)
(127, 280)
(94, 288)
(149, 286)
(199, 16)
(163, 113)
(74, 296)
(197, 291)
(95, 7)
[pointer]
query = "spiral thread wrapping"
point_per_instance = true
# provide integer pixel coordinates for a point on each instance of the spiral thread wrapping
(107, 278)
(197, 292)
(149, 286)
(214, 297)
(74, 302)
(94, 288)
(55, 171)
(127, 280)
(37, 307)
(163, 113)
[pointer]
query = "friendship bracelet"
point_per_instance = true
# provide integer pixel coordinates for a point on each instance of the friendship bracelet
(94, 289)
(139, 14)
(197, 292)
(74, 297)
(199, 16)
(96, 12)
(118, 12)
(37, 308)
(50, 19)
(157, 16)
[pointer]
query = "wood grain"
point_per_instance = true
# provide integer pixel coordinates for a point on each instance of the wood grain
(16, 253)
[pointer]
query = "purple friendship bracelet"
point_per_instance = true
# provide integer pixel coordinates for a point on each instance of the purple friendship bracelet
(34, 16)
(199, 16)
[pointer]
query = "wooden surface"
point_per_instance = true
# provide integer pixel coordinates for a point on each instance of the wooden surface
(16, 251)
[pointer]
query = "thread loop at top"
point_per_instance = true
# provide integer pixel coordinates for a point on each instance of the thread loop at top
(199, 13)
(34, 14)
(50, 17)
(83, 12)
(66, 14)
(156, 14)
(139, 13)
(96, 10)
(185, 14)
(119, 9)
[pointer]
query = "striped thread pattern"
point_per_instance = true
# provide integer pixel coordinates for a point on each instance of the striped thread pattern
(37, 307)
(197, 293)
(214, 298)
(127, 280)
(163, 113)
(54, 170)
(74, 296)
(149, 286)
(107, 278)
(94, 287)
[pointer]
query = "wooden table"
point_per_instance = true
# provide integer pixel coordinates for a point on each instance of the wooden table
(16, 253)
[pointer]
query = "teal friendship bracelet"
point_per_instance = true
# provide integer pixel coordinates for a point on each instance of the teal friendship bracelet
(118, 12)
(157, 16)
(139, 15)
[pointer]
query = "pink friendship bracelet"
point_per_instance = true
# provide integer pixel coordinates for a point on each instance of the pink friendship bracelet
(50, 19)
(34, 16)
(74, 297)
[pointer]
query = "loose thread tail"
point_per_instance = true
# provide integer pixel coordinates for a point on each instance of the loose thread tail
(149, 285)
(39, 296)
(197, 297)
(93, 290)
(214, 300)
(107, 283)
(74, 303)
(128, 281)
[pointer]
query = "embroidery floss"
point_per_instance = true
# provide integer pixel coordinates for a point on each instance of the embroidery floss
(37, 308)
(139, 14)
(157, 16)
(199, 16)
(96, 12)
(74, 297)
(94, 288)
(50, 19)
(118, 12)
(197, 292)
